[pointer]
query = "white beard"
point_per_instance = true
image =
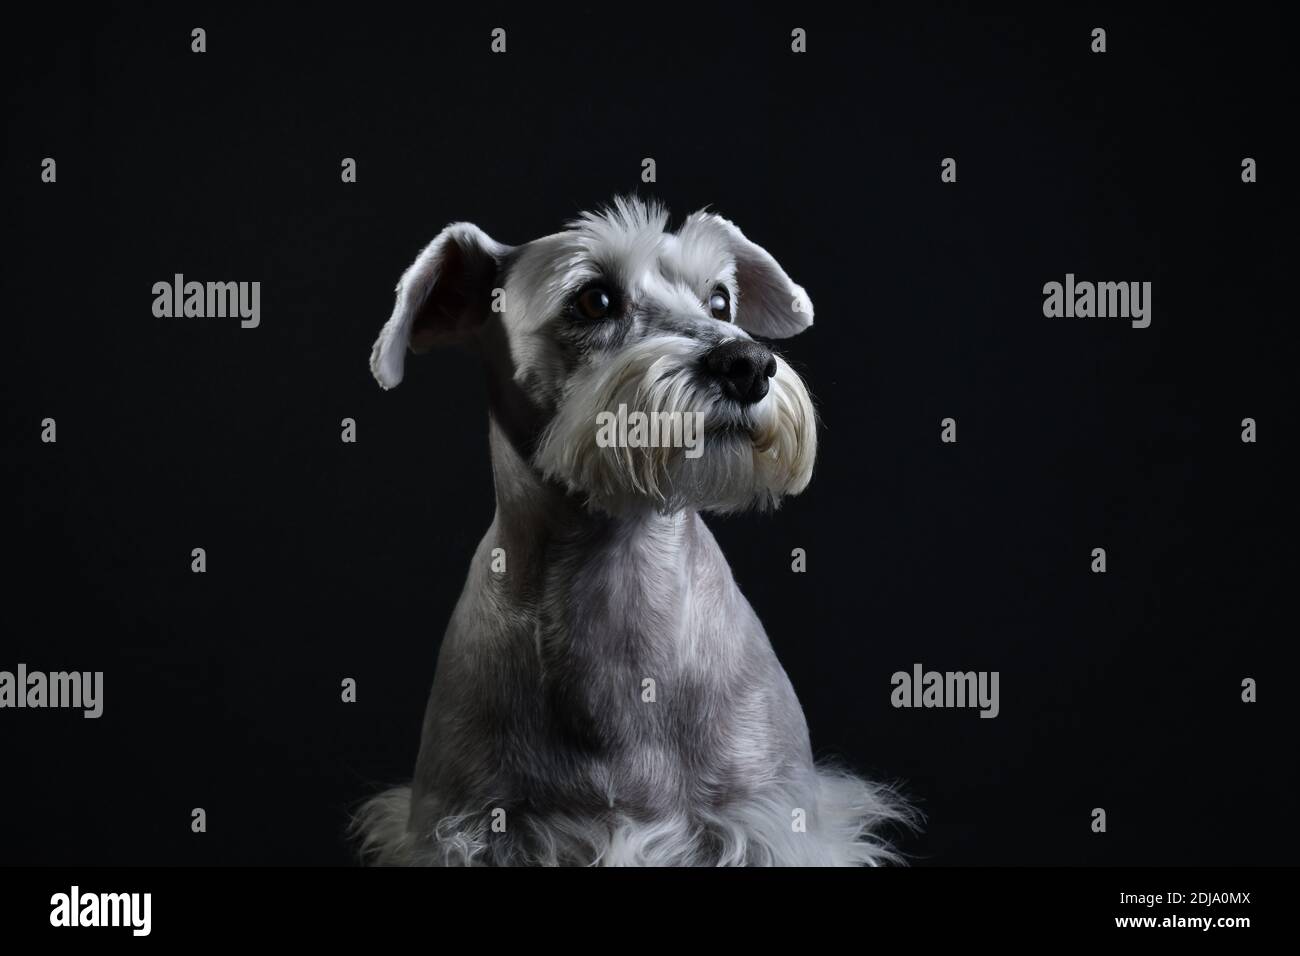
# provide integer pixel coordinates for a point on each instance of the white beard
(752, 456)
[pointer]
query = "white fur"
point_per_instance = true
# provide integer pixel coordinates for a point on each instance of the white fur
(842, 817)
(770, 456)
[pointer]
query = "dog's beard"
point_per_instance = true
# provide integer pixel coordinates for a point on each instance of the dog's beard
(748, 456)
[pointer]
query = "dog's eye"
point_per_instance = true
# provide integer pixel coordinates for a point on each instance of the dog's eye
(594, 303)
(720, 304)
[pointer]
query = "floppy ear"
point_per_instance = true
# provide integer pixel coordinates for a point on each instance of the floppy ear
(441, 299)
(770, 304)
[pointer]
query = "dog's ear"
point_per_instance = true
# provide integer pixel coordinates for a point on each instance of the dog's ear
(770, 303)
(441, 299)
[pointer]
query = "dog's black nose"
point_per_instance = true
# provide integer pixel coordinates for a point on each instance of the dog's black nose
(742, 367)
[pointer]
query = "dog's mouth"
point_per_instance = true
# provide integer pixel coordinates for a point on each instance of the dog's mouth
(724, 418)
(730, 430)
(676, 442)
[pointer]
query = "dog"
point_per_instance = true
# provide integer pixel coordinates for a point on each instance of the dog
(604, 694)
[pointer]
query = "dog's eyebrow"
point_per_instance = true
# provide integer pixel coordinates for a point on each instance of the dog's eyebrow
(579, 270)
(623, 240)
(702, 261)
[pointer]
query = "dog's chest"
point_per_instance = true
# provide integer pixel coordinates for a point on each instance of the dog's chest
(616, 615)
(648, 657)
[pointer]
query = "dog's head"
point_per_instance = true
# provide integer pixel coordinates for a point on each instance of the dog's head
(629, 349)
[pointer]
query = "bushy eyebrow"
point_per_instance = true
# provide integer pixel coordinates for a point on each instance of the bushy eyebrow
(702, 264)
(579, 271)
(620, 253)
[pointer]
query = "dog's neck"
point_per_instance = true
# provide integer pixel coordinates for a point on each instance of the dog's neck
(537, 521)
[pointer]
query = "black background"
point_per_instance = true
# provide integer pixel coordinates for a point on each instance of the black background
(328, 560)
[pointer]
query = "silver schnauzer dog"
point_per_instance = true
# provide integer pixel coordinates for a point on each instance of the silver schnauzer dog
(604, 693)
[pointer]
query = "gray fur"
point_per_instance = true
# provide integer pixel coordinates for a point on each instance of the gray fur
(537, 745)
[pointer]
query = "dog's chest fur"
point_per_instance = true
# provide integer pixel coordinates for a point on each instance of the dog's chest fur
(626, 671)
